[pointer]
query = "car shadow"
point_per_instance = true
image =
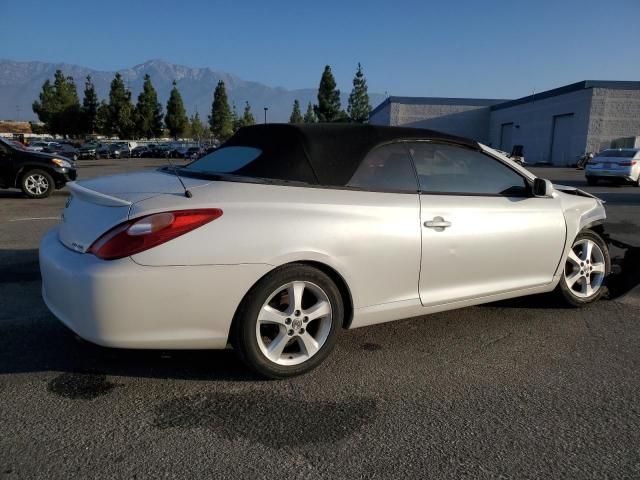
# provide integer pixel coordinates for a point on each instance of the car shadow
(12, 194)
(19, 194)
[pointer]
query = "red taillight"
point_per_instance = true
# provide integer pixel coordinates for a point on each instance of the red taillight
(627, 164)
(143, 233)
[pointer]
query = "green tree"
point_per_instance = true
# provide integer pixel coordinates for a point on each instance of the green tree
(121, 118)
(103, 121)
(296, 115)
(90, 106)
(221, 120)
(328, 108)
(197, 129)
(148, 111)
(176, 117)
(359, 108)
(247, 117)
(47, 105)
(236, 122)
(58, 106)
(310, 115)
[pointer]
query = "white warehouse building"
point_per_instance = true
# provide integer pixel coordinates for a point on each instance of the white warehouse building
(556, 126)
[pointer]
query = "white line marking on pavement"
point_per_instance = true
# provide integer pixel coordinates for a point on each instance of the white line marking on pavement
(33, 218)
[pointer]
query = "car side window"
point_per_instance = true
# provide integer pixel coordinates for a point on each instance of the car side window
(386, 168)
(455, 170)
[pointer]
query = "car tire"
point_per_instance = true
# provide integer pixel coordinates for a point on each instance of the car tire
(586, 269)
(280, 339)
(36, 184)
(592, 181)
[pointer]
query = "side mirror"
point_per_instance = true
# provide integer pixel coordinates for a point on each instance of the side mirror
(542, 187)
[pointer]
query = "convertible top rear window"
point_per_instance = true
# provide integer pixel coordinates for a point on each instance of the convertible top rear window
(225, 160)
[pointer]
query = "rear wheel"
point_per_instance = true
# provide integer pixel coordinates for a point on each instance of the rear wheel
(288, 322)
(37, 184)
(585, 271)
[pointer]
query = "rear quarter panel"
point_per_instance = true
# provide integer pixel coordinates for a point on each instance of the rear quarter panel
(371, 239)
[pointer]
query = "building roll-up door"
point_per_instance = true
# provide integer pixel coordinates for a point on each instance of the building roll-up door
(506, 137)
(561, 140)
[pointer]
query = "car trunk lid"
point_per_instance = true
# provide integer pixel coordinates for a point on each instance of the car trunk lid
(99, 204)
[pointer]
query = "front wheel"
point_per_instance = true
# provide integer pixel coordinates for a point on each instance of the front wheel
(585, 271)
(288, 322)
(37, 184)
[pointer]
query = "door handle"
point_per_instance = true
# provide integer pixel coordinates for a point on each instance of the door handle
(438, 224)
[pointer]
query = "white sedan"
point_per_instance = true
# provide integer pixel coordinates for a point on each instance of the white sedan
(287, 234)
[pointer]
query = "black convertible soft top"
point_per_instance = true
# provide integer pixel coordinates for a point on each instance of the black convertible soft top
(322, 154)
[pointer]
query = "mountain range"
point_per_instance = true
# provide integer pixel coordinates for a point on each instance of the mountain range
(21, 82)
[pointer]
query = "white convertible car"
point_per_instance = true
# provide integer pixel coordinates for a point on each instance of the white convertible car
(287, 234)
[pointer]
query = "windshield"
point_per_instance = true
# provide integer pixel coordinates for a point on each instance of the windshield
(224, 160)
(617, 154)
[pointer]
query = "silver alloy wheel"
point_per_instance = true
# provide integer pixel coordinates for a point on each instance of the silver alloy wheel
(36, 184)
(585, 268)
(294, 323)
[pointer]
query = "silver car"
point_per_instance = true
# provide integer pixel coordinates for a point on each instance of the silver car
(287, 234)
(622, 164)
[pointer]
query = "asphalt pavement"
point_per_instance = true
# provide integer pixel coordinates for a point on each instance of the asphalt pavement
(519, 389)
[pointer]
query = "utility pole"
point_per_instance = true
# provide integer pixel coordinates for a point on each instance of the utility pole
(265, 114)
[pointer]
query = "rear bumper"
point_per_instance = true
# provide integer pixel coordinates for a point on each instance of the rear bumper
(122, 304)
(612, 174)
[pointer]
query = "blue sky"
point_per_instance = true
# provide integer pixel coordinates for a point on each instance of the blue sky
(464, 48)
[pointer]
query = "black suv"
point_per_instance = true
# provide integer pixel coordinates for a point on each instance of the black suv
(36, 174)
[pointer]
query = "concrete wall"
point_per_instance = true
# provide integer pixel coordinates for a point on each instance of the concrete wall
(469, 121)
(533, 124)
(614, 114)
(464, 120)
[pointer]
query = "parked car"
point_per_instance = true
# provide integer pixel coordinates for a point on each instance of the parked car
(162, 150)
(65, 149)
(103, 150)
(37, 174)
(179, 152)
(287, 234)
(123, 148)
(119, 150)
(193, 153)
(37, 146)
(619, 164)
(186, 152)
(141, 151)
(88, 150)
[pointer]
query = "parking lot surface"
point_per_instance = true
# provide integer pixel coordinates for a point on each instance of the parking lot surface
(518, 389)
